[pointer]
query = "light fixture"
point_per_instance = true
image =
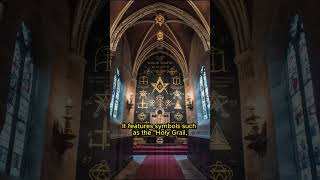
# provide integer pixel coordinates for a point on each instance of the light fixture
(130, 102)
(189, 102)
(63, 135)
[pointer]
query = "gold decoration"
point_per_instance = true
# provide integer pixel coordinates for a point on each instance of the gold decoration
(177, 94)
(143, 80)
(142, 116)
(160, 86)
(218, 140)
(168, 103)
(178, 105)
(159, 101)
(152, 103)
(104, 137)
(176, 80)
(100, 171)
(101, 101)
(160, 140)
(178, 116)
(143, 105)
(143, 94)
(160, 36)
(159, 19)
(220, 171)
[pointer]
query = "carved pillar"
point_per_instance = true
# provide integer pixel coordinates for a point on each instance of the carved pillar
(74, 79)
(256, 118)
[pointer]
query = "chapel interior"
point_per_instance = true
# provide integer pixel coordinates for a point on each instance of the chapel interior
(77, 74)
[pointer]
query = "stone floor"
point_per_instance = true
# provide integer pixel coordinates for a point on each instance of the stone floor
(188, 169)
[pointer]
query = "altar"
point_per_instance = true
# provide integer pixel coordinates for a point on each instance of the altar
(159, 117)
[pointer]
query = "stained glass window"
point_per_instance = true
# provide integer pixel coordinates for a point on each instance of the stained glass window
(204, 94)
(305, 120)
(12, 138)
(115, 98)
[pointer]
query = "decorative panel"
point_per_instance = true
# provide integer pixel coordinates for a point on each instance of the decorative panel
(160, 94)
(226, 148)
(93, 161)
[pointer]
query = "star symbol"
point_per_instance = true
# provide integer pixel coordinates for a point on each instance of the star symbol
(101, 101)
(177, 94)
(143, 94)
(160, 86)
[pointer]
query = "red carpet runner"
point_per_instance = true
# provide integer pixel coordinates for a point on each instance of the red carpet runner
(159, 167)
(163, 150)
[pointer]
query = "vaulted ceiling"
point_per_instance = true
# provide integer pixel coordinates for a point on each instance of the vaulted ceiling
(135, 20)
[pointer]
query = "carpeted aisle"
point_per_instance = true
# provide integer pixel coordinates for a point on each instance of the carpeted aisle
(159, 167)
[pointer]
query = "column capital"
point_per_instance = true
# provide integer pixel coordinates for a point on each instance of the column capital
(244, 57)
(74, 58)
(245, 64)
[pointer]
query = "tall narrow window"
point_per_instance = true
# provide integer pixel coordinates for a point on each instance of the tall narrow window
(306, 127)
(115, 99)
(13, 135)
(204, 94)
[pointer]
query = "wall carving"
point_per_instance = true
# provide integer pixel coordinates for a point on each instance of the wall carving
(226, 147)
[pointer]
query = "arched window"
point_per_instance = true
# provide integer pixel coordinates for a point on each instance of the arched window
(204, 94)
(306, 127)
(115, 99)
(14, 133)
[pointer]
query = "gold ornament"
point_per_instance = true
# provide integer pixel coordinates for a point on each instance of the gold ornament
(101, 101)
(218, 140)
(178, 116)
(142, 105)
(160, 86)
(159, 19)
(103, 133)
(178, 105)
(177, 94)
(220, 171)
(143, 80)
(168, 103)
(176, 80)
(100, 171)
(142, 116)
(143, 94)
(160, 36)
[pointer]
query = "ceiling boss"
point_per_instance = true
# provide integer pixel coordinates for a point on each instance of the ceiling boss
(159, 20)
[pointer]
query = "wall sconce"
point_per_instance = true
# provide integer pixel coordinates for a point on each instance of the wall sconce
(189, 103)
(62, 137)
(130, 102)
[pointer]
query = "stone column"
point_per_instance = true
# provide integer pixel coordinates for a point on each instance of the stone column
(75, 77)
(256, 118)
